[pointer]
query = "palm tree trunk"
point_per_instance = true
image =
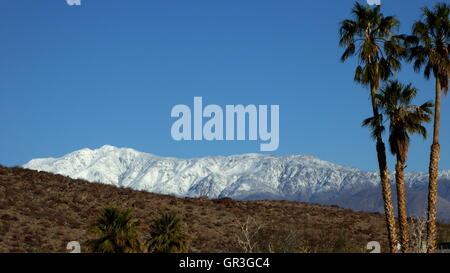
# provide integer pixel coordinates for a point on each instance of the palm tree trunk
(385, 183)
(433, 172)
(401, 204)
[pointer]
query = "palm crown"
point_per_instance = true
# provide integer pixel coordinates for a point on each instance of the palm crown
(431, 39)
(168, 235)
(117, 232)
(370, 37)
(395, 100)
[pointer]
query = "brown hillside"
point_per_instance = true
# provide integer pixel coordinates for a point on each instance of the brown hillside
(42, 212)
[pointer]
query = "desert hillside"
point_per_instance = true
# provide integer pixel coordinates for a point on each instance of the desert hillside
(42, 212)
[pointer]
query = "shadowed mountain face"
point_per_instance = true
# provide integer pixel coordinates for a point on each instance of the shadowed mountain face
(371, 200)
(245, 177)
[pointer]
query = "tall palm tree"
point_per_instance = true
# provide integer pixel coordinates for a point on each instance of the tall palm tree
(370, 37)
(431, 39)
(168, 235)
(404, 119)
(117, 232)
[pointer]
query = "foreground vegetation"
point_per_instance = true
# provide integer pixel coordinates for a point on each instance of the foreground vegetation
(42, 212)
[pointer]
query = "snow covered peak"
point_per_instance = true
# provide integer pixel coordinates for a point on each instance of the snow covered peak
(212, 176)
(247, 176)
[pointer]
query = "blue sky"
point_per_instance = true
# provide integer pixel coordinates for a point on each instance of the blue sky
(109, 72)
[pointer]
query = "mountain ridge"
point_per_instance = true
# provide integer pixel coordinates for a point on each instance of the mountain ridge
(303, 178)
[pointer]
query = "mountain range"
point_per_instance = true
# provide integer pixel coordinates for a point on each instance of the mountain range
(301, 178)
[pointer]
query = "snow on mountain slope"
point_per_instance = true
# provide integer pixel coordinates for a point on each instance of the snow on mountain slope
(248, 176)
(233, 176)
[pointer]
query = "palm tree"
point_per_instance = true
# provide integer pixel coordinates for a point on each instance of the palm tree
(404, 119)
(431, 39)
(117, 232)
(370, 37)
(168, 235)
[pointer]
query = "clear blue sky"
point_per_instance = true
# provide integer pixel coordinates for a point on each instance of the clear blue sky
(109, 72)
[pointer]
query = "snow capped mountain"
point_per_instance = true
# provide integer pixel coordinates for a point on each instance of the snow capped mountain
(246, 177)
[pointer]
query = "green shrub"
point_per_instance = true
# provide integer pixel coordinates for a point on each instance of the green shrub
(168, 235)
(116, 231)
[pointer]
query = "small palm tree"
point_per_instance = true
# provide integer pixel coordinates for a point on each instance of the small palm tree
(431, 40)
(370, 37)
(404, 119)
(116, 231)
(168, 235)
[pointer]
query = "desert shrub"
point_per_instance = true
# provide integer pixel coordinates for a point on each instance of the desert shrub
(444, 233)
(418, 234)
(256, 237)
(339, 245)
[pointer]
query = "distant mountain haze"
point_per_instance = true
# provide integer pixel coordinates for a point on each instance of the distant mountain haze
(245, 177)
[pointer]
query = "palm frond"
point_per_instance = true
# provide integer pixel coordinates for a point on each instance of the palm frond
(116, 230)
(371, 36)
(375, 125)
(168, 235)
(431, 44)
(395, 100)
